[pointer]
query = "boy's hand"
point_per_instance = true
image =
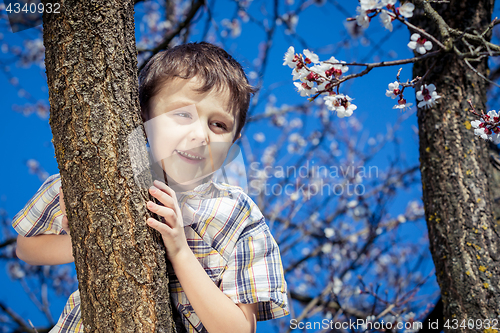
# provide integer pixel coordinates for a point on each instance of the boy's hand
(172, 231)
(65, 223)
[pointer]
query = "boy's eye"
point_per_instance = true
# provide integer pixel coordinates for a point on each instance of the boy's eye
(184, 114)
(220, 125)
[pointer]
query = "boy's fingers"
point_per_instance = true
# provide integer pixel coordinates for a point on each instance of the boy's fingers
(166, 212)
(61, 201)
(162, 186)
(160, 227)
(164, 198)
(65, 224)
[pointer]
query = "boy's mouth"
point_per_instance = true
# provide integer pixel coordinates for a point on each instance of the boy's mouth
(189, 157)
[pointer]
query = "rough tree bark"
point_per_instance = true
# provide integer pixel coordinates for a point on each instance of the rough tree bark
(91, 65)
(455, 167)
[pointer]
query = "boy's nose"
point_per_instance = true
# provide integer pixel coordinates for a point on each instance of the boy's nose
(198, 134)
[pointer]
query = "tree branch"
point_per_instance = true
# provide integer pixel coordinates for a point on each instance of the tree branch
(443, 27)
(8, 242)
(164, 44)
(16, 318)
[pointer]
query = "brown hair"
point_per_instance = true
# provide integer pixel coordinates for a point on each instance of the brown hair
(211, 64)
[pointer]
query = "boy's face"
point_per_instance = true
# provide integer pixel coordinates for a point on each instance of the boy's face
(190, 132)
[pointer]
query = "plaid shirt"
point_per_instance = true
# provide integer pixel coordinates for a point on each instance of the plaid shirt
(226, 232)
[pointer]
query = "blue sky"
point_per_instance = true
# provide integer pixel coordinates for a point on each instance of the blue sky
(29, 137)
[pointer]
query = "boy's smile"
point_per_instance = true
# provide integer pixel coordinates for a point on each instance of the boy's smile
(189, 132)
(189, 157)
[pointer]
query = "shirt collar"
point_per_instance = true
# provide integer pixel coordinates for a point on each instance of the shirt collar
(207, 189)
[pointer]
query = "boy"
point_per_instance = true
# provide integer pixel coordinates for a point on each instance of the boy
(227, 267)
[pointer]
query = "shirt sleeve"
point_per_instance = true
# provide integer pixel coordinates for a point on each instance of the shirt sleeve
(42, 214)
(254, 273)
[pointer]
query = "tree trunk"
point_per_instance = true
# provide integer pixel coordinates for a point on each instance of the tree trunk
(91, 65)
(455, 171)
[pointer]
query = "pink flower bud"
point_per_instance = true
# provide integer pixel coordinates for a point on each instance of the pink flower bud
(312, 76)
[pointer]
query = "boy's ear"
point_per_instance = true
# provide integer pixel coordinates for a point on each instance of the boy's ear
(239, 136)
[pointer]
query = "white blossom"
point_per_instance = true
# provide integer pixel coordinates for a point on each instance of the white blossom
(259, 137)
(299, 74)
(362, 18)
(487, 133)
(311, 56)
(341, 104)
(292, 20)
(304, 89)
(233, 26)
(268, 155)
(386, 20)
(353, 238)
(421, 45)
(388, 2)
(320, 69)
(477, 123)
(322, 86)
(32, 164)
(406, 10)
(352, 203)
(296, 123)
(337, 285)
(370, 4)
(427, 96)
(393, 90)
(289, 57)
(493, 114)
(329, 232)
(15, 271)
(402, 105)
(414, 209)
(327, 248)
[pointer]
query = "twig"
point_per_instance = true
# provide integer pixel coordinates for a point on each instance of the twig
(472, 37)
(479, 73)
(490, 26)
(8, 242)
(423, 32)
(33, 327)
(15, 317)
(164, 44)
(390, 63)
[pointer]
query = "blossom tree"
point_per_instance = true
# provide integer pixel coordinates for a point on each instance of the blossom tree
(341, 225)
(454, 180)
